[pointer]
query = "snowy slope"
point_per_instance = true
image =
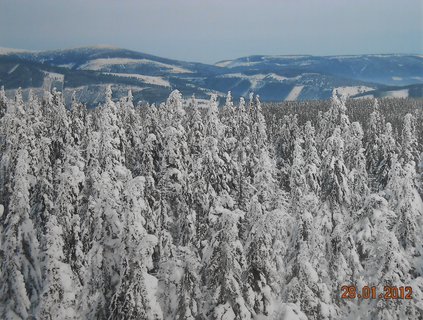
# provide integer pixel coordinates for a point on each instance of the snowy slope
(274, 78)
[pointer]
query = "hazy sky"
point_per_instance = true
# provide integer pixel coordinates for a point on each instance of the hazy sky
(213, 30)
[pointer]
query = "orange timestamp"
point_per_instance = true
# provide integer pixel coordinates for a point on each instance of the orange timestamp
(371, 292)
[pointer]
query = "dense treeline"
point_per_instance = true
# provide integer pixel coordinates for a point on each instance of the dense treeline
(392, 109)
(175, 212)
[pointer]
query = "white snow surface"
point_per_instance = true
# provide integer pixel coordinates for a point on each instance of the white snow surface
(256, 77)
(397, 93)
(295, 93)
(155, 80)
(151, 284)
(223, 64)
(232, 64)
(67, 65)
(99, 64)
(257, 80)
(289, 311)
(6, 51)
(54, 76)
(247, 62)
(13, 69)
(352, 90)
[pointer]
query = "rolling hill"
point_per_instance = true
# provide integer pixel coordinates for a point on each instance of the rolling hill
(88, 70)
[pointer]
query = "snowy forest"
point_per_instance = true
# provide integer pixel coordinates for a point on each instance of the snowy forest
(230, 211)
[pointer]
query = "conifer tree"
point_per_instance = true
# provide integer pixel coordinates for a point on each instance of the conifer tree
(133, 297)
(373, 144)
(304, 285)
(20, 270)
(223, 267)
(3, 102)
(59, 293)
(355, 161)
(311, 159)
(336, 197)
(389, 150)
(409, 140)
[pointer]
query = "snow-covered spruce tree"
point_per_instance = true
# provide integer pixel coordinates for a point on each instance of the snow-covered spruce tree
(404, 265)
(402, 192)
(222, 266)
(264, 228)
(332, 118)
(311, 159)
(71, 180)
(135, 293)
(78, 123)
(62, 254)
(174, 170)
(105, 210)
(193, 224)
(16, 126)
(378, 249)
(229, 144)
(112, 147)
(228, 116)
(229, 119)
(409, 151)
(133, 132)
(407, 204)
(374, 145)
(20, 267)
(222, 252)
(33, 106)
(175, 221)
(258, 130)
(189, 294)
(12, 132)
(86, 203)
(149, 165)
(212, 165)
(58, 297)
(198, 197)
(57, 123)
(304, 271)
(151, 156)
(51, 129)
(420, 171)
(19, 105)
(336, 198)
(284, 148)
(265, 249)
(389, 147)
(335, 190)
(243, 156)
(395, 272)
(213, 126)
(196, 132)
(3, 102)
(355, 162)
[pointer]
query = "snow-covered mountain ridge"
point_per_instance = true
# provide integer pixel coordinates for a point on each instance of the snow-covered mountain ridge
(152, 78)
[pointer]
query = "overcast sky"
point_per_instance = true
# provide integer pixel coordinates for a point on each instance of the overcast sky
(213, 30)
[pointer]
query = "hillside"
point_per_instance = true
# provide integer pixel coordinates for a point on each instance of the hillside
(88, 70)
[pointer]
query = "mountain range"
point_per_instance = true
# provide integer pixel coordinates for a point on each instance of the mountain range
(88, 70)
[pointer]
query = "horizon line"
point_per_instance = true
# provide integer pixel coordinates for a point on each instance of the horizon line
(11, 50)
